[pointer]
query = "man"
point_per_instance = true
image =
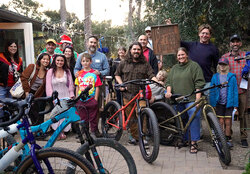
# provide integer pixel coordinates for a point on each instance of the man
(99, 64)
(148, 34)
(203, 52)
(65, 41)
(148, 53)
(133, 67)
(50, 47)
(236, 64)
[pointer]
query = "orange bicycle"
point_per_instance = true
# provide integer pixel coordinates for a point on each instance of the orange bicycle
(114, 121)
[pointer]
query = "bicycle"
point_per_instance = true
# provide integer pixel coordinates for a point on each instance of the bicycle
(171, 123)
(114, 121)
(97, 146)
(39, 160)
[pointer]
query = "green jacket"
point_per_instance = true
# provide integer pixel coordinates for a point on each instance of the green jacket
(186, 78)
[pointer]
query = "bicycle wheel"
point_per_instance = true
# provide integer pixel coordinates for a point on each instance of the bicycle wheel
(149, 139)
(115, 158)
(61, 160)
(169, 133)
(219, 139)
(112, 126)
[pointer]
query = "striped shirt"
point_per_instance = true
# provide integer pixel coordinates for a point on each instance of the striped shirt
(236, 66)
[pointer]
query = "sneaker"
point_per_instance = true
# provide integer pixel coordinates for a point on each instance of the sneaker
(132, 140)
(244, 143)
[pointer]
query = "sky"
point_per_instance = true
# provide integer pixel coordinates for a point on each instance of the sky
(116, 10)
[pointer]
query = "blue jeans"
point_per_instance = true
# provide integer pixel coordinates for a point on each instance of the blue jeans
(194, 127)
(4, 93)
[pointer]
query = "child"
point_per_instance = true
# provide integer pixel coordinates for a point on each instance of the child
(85, 77)
(224, 99)
(158, 91)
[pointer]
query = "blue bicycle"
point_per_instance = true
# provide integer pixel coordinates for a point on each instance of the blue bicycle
(49, 160)
(105, 155)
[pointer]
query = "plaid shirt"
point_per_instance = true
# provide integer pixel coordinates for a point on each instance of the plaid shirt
(131, 71)
(236, 66)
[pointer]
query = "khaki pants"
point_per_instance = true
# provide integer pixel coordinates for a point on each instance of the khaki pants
(133, 119)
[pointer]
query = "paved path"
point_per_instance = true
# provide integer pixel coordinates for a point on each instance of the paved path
(171, 160)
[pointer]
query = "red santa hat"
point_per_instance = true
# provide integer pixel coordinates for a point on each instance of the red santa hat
(66, 39)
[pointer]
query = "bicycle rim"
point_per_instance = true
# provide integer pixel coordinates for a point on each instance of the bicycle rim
(61, 161)
(219, 139)
(108, 121)
(149, 139)
(115, 158)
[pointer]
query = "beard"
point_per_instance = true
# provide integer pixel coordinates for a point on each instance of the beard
(92, 49)
(136, 56)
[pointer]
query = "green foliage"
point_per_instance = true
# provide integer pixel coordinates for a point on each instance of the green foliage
(225, 17)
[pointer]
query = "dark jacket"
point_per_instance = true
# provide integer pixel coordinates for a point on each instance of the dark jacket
(153, 61)
(4, 69)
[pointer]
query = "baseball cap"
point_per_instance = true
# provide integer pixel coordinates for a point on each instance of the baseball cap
(223, 61)
(51, 40)
(148, 28)
(235, 36)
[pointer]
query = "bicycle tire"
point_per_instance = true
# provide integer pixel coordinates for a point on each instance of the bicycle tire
(113, 155)
(219, 139)
(164, 111)
(149, 140)
(108, 130)
(69, 161)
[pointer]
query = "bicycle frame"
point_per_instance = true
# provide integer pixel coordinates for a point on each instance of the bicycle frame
(202, 103)
(139, 96)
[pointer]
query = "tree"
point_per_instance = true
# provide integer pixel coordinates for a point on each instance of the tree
(87, 20)
(63, 15)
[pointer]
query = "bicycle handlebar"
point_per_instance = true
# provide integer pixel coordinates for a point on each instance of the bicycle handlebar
(140, 82)
(84, 95)
(222, 85)
(19, 104)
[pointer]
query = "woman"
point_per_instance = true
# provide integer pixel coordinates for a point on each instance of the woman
(121, 56)
(36, 85)
(59, 78)
(10, 67)
(69, 54)
(184, 78)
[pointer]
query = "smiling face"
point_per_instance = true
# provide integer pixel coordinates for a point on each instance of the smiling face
(205, 36)
(121, 53)
(50, 47)
(135, 52)
(45, 61)
(92, 44)
(86, 63)
(160, 76)
(59, 62)
(12, 49)
(235, 45)
(143, 41)
(182, 56)
(68, 53)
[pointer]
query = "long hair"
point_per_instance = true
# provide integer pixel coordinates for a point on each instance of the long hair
(122, 48)
(65, 66)
(129, 56)
(72, 58)
(39, 58)
(6, 51)
(219, 71)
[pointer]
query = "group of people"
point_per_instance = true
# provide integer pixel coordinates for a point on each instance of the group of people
(197, 63)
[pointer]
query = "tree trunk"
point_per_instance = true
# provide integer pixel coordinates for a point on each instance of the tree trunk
(63, 15)
(130, 20)
(87, 20)
(139, 2)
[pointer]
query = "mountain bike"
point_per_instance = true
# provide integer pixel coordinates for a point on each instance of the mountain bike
(97, 147)
(171, 123)
(114, 120)
(49, 160)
